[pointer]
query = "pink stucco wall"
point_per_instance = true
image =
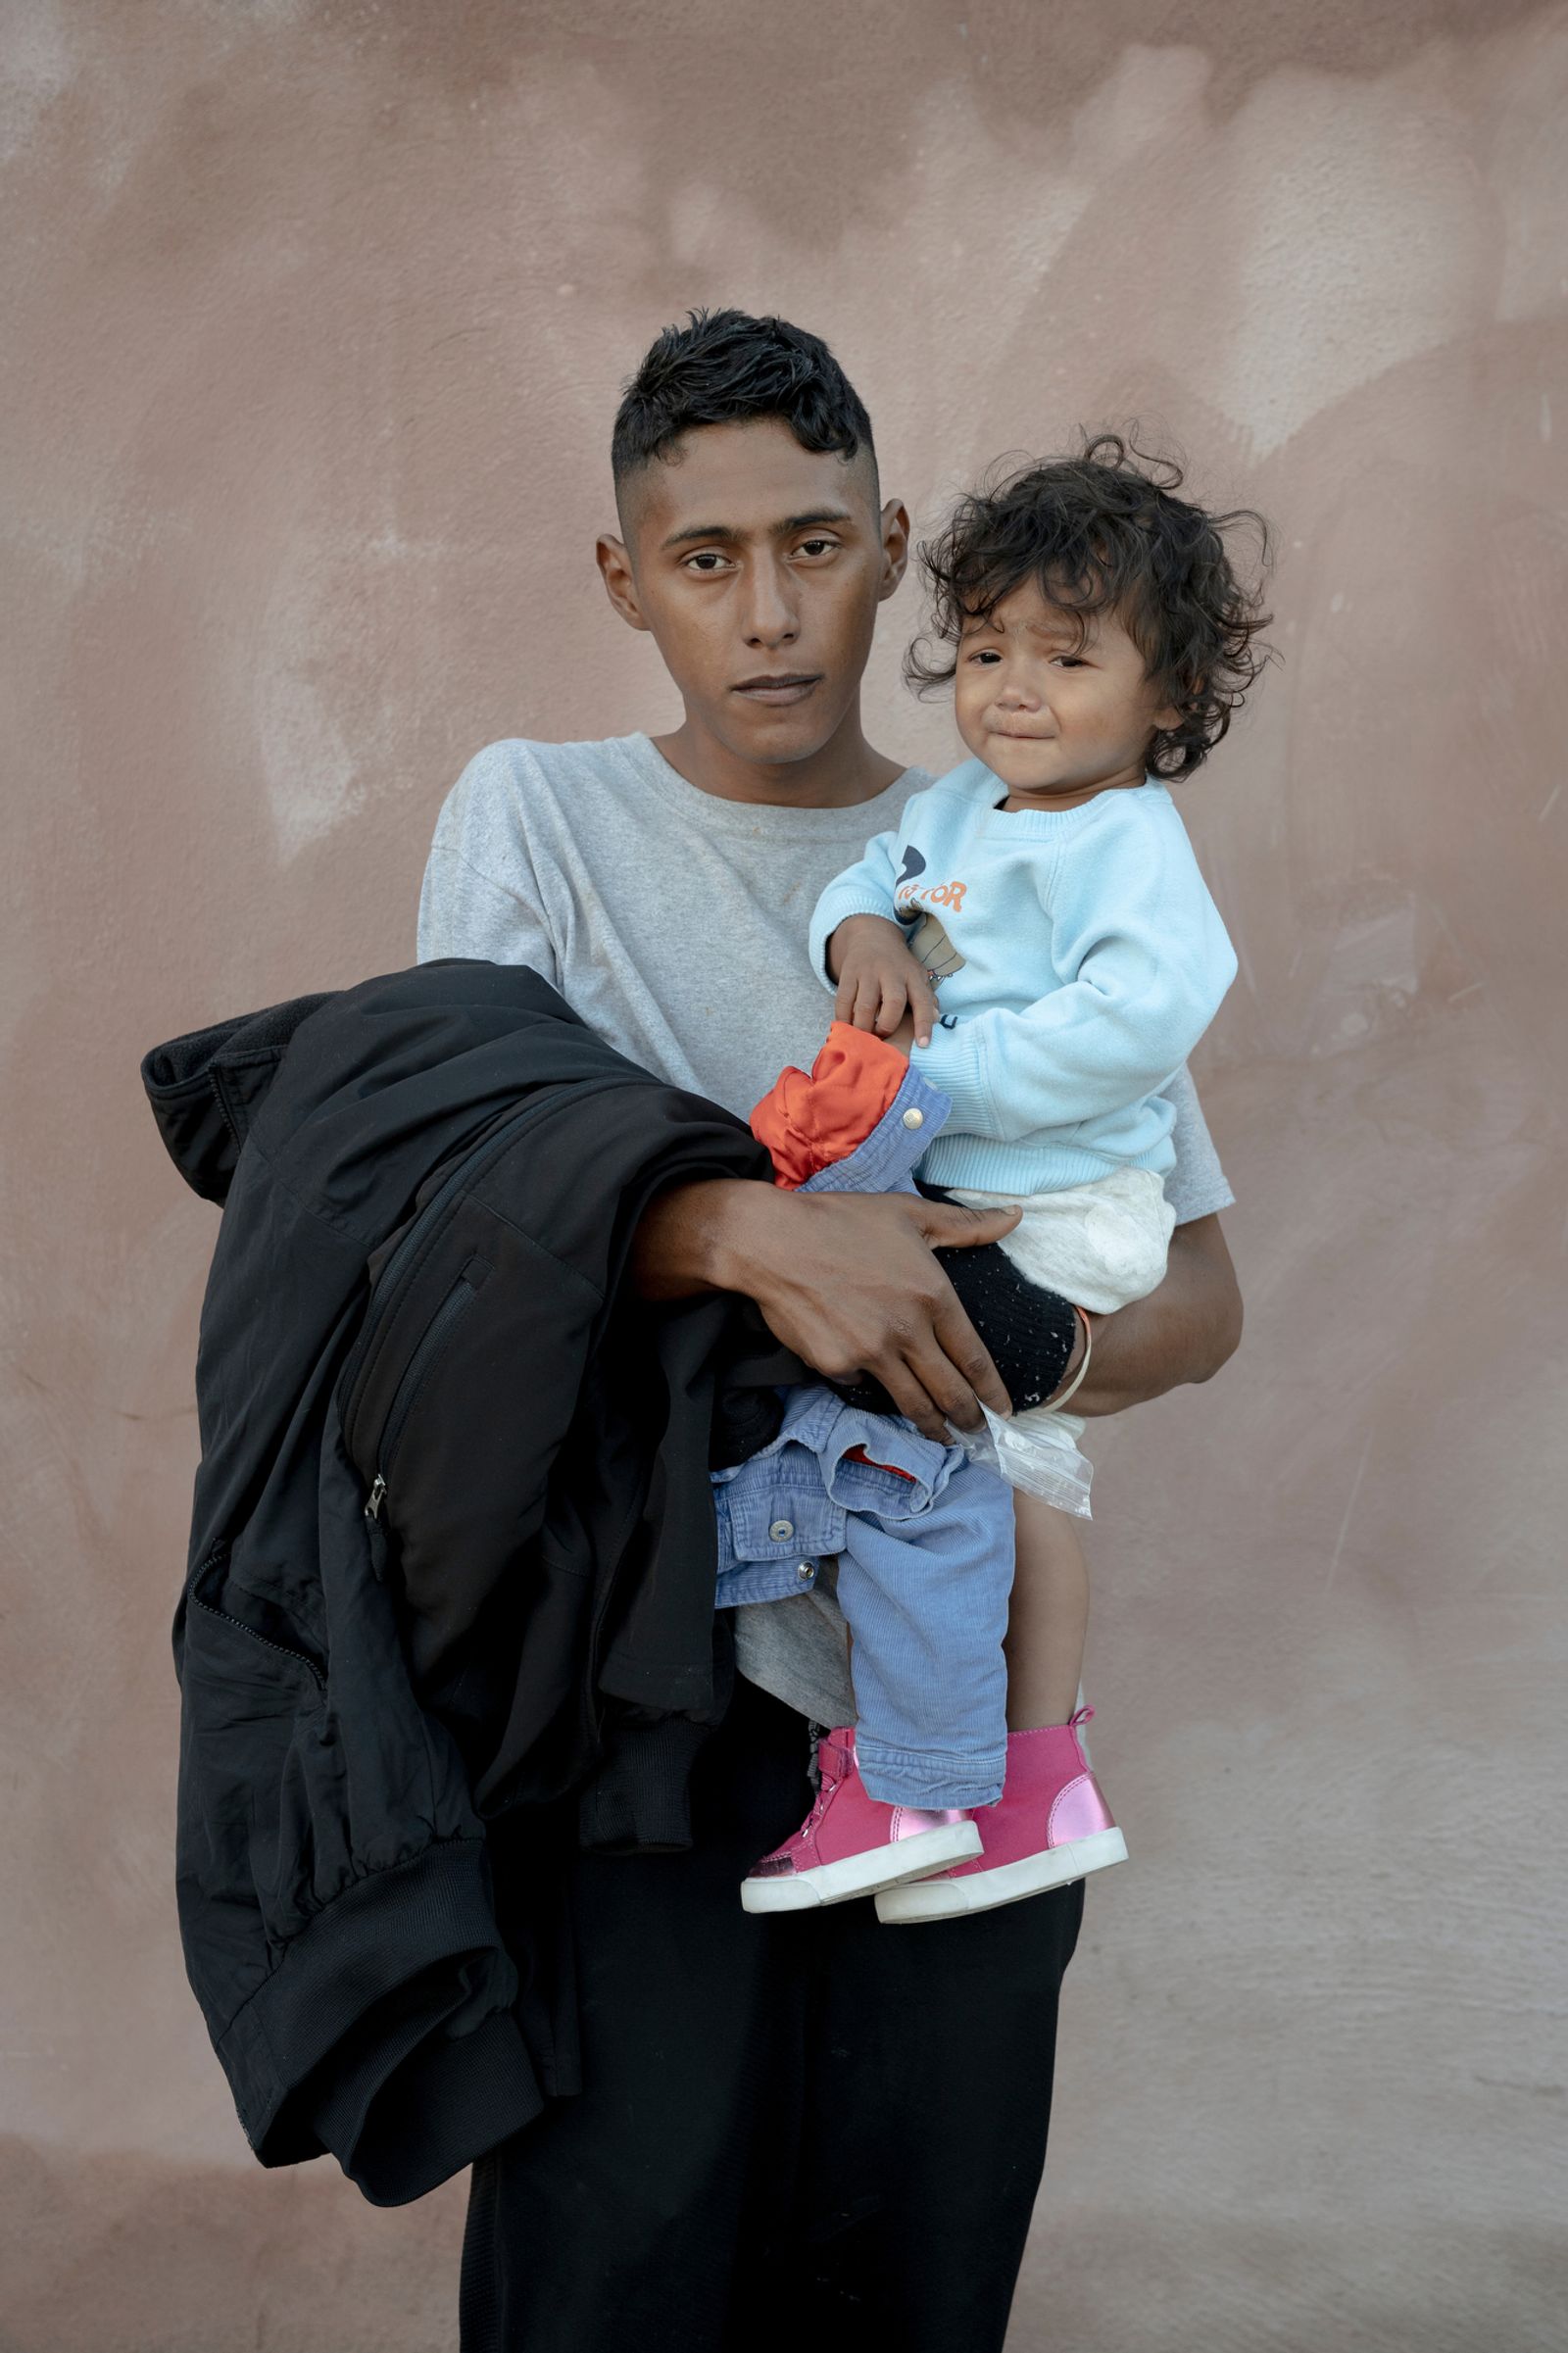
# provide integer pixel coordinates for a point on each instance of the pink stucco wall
(316, 314)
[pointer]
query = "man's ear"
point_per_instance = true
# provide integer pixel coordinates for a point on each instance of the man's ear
(895, 547)
(621, 586)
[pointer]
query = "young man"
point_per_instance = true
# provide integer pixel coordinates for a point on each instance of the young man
(755, 2156)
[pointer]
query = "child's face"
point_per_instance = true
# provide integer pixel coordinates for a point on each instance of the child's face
(1056, 721)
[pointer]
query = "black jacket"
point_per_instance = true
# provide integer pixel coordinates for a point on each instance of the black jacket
(452, 1550)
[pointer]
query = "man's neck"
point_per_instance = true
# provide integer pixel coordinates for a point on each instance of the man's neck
(839, 774)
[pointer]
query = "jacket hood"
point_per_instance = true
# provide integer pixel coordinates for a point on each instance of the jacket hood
(207, 1088)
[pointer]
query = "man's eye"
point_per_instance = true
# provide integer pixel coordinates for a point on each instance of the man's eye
(707, 561)
(817, 547)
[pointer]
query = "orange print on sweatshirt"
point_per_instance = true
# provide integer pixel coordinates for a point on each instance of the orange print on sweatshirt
(931, 894)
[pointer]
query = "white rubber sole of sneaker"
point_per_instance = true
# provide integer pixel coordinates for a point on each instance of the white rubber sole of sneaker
(1008, 1883)
(880, 1867)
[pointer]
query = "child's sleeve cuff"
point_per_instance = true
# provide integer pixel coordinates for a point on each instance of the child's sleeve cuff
(954, 1061)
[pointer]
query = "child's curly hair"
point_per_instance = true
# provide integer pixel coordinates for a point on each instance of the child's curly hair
(1103, 531)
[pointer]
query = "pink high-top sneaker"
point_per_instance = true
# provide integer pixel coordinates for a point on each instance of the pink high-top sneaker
(850, 1845)
(1051, 1825)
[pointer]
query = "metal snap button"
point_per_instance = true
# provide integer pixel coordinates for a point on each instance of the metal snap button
(806, 1570)
(914, 1119)
(781, 1531)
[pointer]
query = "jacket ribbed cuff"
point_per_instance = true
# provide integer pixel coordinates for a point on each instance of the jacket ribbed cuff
(639, 1801)
(385, 2034)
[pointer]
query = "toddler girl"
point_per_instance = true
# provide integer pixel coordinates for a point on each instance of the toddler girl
(1035, 937)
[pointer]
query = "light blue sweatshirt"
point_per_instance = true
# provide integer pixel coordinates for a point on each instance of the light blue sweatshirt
(1093, 959)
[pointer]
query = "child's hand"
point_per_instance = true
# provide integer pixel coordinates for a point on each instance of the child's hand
(881, 986)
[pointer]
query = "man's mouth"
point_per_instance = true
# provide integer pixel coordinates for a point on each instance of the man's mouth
(779, 687)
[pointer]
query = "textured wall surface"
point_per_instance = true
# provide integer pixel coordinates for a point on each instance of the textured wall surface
(317, 314)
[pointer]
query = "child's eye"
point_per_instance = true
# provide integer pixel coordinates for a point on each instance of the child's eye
(984, 654)
(1070, 662)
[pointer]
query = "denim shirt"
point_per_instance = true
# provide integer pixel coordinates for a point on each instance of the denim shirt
(885, 1162)
(782, 1511)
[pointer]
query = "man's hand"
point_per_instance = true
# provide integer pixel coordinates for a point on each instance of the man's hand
(881, 985)
(846, 1280)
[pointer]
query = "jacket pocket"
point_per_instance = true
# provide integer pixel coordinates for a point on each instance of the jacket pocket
(417, 1374)
(214, 1602)
(261, 1813)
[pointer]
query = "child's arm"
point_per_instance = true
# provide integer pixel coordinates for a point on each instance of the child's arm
(861, 950)
(1149, 961)
(882, 987)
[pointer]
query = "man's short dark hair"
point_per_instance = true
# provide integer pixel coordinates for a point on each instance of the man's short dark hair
(1104, 532)
(725, 368)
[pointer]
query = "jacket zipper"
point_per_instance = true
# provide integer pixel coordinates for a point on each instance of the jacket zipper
(297, 1657)
(471, 1165)
(383, 1301)
(459, 1297)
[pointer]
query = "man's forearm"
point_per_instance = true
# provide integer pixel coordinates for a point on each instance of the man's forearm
(1184, 1331)
(687, 1236)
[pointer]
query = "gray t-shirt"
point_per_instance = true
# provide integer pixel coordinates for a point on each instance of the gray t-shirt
(674, 923)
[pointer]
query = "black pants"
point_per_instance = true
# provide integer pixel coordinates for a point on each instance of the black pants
(789, 2121)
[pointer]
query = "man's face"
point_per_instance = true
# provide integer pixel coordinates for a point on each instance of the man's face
(759, 567)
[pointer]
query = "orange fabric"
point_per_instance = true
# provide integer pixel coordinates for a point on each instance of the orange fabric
(810, 1120)
(860, 1454)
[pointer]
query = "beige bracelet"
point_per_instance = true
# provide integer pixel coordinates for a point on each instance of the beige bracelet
(1054, 1404)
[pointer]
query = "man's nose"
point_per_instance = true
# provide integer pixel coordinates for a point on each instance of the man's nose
(769, 617)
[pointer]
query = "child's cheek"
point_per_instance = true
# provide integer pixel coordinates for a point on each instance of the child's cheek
(968, 708)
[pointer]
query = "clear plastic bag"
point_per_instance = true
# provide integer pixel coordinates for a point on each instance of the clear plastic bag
(1040, 1457)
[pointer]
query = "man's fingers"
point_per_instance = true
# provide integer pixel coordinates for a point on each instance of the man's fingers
(963, 1349)
(940, 1380)
(869, 1296)
(954, 1226)
(965, 1371)
(914, 1401)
